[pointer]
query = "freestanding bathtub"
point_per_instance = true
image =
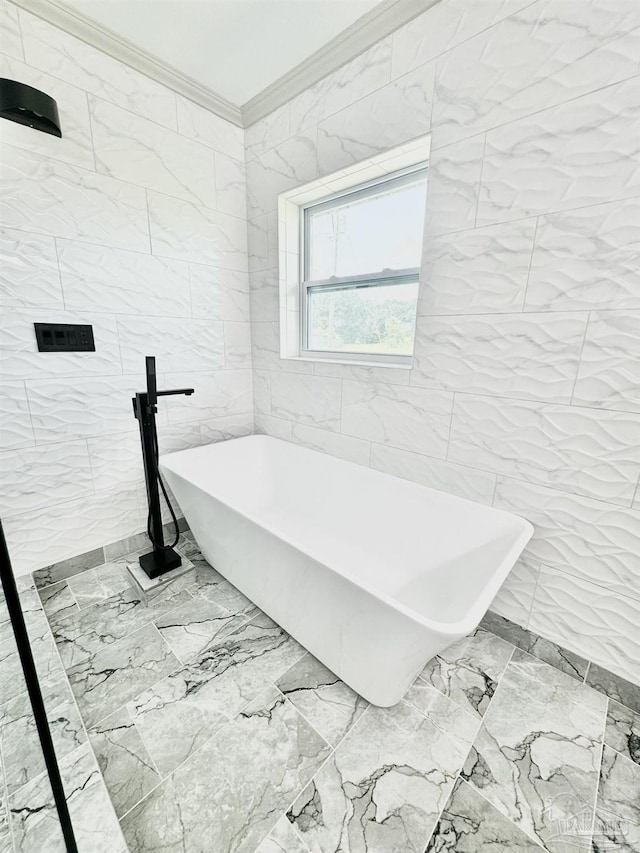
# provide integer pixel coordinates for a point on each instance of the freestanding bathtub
(373, 574)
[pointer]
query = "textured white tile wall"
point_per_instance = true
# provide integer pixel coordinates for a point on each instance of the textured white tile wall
(135, 222)
(525, 390)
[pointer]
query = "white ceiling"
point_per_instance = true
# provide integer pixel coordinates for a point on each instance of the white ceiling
(234, 47)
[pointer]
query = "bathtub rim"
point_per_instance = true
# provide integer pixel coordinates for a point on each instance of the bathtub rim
(460, 627)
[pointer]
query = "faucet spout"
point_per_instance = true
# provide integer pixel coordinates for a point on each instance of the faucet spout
(186, 391)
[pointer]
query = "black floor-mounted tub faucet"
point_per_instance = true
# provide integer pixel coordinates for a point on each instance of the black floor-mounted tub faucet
(163, 558)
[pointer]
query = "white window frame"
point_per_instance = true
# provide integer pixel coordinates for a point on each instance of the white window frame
(287, 223)
(386, 277)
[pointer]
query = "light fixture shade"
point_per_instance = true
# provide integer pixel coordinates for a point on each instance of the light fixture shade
(26, 105)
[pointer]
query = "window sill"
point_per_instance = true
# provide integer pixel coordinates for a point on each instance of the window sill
(351, 362)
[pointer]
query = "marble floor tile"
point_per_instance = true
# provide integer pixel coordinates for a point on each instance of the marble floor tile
(384, 786)
(179, 714)
(35, 822)
(537, 753)
(283, 839)
(255, 765)
(617, 824)
(44, 653)
(469, 670)
(442, 711)
(42, 645)
(68, 568)
(19, 740)
(327, 703)
(26, 603)
(11, 677)
(614, 686)
(57, 600)
(194, 625)
(95, 628)
(28, 594)
(6, 842)
(56, 689)
(124, 762)
(622, 732)
(102, 582)
(210, 584)
(470, 824)
(117, 673)
(533, 644)
(6, 629)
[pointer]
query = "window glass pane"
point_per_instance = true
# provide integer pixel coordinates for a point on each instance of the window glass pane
(379, 320)
(368, 234)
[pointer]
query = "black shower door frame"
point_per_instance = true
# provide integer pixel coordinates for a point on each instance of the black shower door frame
(35, 693)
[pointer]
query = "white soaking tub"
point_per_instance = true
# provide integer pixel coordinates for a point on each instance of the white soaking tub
(373, 574)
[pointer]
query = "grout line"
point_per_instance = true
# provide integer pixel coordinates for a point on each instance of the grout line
(448, 448)
(636, 495)
(148, 212)
(500, 680)
(533, 249)
(515, 312)
(142, 737)
(434, 89)
(579, 360)
(59, 272)
(93, 144)
(479, 190)
(19, 20)
(75, 600)
(533, 598)
(91, 468)
(597, 785)
(28, 402)
(189, 282)
(547, 312)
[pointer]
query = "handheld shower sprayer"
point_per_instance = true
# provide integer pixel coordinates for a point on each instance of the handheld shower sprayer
(145, 406)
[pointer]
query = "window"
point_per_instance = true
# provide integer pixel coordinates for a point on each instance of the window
(349, 252)
(360, 263)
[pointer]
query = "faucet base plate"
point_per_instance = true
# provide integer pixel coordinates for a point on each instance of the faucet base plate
(158, 562)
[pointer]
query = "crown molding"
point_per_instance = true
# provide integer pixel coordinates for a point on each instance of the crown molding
(79, 25)
(375, 25)
(372, 27)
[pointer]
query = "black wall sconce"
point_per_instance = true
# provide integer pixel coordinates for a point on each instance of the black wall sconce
(26, 105)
